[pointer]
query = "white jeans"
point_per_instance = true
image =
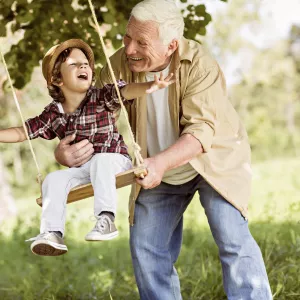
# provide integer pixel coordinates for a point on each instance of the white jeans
(100, 171)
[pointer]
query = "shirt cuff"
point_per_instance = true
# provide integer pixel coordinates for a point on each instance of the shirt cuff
(202, 132)
(121, 84)
(29, 132)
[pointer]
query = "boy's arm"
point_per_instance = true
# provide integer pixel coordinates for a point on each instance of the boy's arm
(135, 90)
(12, 135)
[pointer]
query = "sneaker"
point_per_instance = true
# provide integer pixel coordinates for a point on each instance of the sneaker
(48, 244)
(104, 229)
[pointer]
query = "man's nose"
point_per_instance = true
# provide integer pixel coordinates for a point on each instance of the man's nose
(83, 66)
(130, 48)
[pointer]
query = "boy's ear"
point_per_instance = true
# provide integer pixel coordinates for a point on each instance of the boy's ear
(172, 47)
(56, 83)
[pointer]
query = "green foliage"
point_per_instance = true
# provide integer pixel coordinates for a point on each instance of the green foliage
(267, 90)
(267, 99)
(196, 21)
(46, 23)
(228, 36)
(295, 45)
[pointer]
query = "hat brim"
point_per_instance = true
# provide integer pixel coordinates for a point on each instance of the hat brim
(72, 43)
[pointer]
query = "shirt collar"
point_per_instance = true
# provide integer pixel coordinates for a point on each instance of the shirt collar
(54, 105)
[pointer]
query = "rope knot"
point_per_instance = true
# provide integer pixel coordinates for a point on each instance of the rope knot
(39, 178)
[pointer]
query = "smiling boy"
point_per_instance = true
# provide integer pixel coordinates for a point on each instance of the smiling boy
(81, 109)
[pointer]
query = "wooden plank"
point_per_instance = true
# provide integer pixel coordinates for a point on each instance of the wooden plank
(86, 190)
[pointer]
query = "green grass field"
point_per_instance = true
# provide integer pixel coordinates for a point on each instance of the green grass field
(103, 270)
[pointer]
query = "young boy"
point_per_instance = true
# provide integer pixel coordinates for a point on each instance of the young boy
(79, 108)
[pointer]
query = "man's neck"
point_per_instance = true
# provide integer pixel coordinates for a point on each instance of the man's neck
(161, 68)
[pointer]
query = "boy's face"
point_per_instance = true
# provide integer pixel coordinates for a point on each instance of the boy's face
(76, 72)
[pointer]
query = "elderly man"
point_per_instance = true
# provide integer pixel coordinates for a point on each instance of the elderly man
(194, 142)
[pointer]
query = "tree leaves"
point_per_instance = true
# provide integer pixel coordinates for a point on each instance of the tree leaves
(46, 23)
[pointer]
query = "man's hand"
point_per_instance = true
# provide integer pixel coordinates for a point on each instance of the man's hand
(160, 83)
(156, 170)
(73, 155)
(179, 154)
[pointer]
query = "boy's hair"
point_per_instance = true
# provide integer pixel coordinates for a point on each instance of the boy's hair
(54, 91)
(53, 59)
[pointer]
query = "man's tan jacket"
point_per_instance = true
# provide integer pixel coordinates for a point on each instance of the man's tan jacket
(199, 106)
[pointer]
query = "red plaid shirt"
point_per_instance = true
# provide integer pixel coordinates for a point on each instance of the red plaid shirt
(93, 120)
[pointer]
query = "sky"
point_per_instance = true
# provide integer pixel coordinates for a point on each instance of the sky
(278, 16)
(282, 13)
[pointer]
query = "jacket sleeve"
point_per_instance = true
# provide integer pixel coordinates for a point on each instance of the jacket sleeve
(205, 89)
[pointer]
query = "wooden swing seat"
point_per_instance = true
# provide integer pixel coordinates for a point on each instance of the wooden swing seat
(86, 190)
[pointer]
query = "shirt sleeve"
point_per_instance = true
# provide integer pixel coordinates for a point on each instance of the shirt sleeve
(40, 126)
(109, 95)
(199, 104)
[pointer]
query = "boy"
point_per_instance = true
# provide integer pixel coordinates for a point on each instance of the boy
(81, 109)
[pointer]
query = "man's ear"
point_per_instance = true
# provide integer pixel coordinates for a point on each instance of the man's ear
(56, 83)
(172, 47)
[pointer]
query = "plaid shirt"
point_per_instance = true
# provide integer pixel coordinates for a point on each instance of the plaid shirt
(93, 120)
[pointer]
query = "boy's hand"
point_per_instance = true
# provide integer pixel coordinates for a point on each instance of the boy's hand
(160, 83)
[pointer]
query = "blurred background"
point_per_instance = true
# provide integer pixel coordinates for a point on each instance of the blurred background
(257, 44)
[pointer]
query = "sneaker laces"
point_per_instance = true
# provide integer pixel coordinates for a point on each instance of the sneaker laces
(45, 236)
(101, 223)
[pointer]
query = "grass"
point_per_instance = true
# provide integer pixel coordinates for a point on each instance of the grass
(104, 271)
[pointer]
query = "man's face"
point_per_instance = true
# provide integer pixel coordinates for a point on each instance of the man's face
(144, 50)
(76, 72)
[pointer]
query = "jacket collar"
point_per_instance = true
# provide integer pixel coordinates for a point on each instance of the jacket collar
(184, 50)
(182, 53)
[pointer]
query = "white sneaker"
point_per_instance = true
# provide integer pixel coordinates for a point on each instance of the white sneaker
(48, 244)
(104, 229)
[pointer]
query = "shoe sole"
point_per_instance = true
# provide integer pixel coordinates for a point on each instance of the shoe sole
(100, 237)
(47, 248)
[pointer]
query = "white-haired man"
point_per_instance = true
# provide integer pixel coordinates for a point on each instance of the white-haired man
(194, 141)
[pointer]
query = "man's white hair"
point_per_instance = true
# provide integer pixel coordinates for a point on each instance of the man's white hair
(165, 13)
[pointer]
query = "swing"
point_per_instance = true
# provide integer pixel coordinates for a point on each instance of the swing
(122, 179)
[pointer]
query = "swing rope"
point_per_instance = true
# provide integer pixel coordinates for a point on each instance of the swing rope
(39, 175)
(135, 146)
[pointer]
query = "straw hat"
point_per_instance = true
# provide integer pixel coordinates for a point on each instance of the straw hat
(54, 52)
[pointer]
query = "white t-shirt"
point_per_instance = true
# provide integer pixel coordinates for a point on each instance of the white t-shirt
(160, 132)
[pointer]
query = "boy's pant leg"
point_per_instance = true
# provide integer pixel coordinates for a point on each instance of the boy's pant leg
(103, 170)
(55, 190)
